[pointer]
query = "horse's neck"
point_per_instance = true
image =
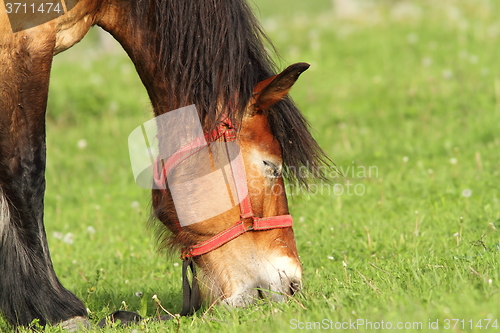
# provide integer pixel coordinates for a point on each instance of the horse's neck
(137, 43)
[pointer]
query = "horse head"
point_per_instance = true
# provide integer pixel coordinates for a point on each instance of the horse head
(248, 251)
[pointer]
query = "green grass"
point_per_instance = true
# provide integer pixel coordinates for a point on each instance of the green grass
(412, 92)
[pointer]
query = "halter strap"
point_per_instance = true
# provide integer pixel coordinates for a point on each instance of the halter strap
(255, 224)
(248, 221)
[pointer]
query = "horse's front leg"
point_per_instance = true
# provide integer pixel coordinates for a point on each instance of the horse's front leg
(29, 288)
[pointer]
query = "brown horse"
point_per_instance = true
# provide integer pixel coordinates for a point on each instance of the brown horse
(204, 52)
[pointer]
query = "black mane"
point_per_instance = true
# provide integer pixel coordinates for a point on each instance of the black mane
(211, 52)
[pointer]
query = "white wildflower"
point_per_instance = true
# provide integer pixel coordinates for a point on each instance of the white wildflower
(473, 59)
(447, 74)
(68, 238)
(82, 144)
(466, 193)
(412, 38)
(426, 61)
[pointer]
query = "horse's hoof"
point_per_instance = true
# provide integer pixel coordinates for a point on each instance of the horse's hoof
(125, 318)
(75, 324)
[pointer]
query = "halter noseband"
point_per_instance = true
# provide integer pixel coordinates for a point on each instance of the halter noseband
(248, 220)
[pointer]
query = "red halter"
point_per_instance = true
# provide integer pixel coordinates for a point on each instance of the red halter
(248, 221)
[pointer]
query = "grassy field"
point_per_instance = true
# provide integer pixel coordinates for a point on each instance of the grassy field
(403, 96)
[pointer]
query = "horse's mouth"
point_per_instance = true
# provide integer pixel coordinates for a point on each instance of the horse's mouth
(277, 292)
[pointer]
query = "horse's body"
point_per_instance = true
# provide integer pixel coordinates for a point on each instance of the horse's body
(203, 52)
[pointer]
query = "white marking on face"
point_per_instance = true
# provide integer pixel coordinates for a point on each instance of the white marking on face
(272, 278)
(282, 272)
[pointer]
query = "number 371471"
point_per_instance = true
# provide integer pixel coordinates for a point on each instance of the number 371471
(32, 8)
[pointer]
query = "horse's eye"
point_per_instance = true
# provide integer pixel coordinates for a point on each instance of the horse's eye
(271, 170)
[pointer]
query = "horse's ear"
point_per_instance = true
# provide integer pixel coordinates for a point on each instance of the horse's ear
(274, 89)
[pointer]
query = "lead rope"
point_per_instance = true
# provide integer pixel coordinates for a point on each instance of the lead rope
(191, 297)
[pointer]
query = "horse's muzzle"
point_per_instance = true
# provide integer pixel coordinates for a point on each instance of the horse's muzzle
(275, 279)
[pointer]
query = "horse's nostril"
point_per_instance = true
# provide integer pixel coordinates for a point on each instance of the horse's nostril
(295, 287)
